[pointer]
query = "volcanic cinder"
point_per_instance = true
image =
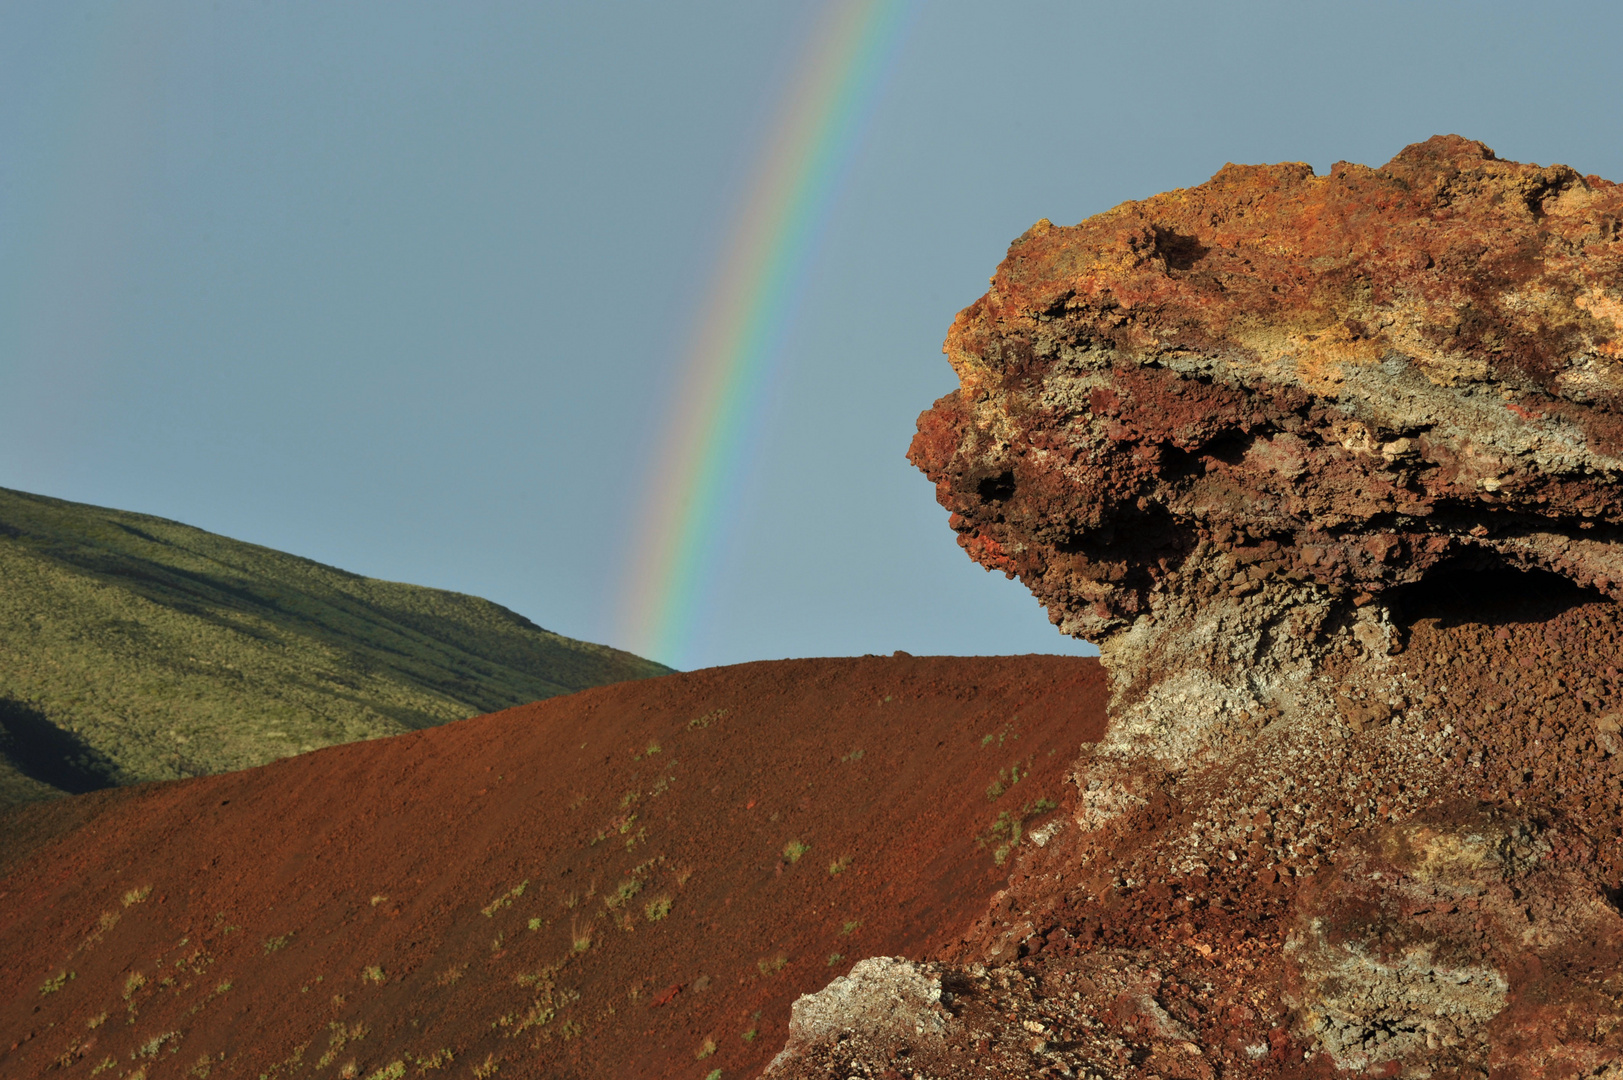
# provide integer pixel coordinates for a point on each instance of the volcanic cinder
(635, 880)
(1328, 467)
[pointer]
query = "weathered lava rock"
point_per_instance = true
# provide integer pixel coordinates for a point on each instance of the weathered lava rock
(1240, 417)
(885, 1005)
(1329, 469)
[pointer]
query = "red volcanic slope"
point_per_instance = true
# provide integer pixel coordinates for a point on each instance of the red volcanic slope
(636, 880)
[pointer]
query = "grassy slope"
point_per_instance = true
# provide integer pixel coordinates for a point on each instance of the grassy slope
(134, 648)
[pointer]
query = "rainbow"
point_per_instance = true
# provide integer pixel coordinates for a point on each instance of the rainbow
(730, 363)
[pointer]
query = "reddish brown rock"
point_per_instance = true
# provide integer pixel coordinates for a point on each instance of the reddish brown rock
(1305, 390)
(1328, 467)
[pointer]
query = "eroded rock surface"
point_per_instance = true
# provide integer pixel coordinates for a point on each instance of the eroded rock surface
(1210, 429)
(1329, 469)
(885, 1006)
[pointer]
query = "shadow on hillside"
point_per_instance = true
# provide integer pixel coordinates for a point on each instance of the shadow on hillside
(44, 752)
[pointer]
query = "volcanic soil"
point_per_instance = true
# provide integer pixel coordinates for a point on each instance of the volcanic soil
(634, 880)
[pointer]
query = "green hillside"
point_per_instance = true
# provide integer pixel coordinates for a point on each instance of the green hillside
(134, 648)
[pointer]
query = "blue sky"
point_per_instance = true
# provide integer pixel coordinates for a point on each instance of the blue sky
(405, 287)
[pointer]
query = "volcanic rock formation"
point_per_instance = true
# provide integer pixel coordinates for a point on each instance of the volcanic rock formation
(1238, 419)
(1328, 467)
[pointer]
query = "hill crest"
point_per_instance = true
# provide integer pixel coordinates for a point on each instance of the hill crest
(135, 648)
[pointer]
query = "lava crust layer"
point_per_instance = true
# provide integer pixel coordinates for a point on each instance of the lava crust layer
(1328, 467)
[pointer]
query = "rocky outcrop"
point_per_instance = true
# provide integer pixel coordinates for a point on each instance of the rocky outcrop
(1238, 419)
(1328, 467)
